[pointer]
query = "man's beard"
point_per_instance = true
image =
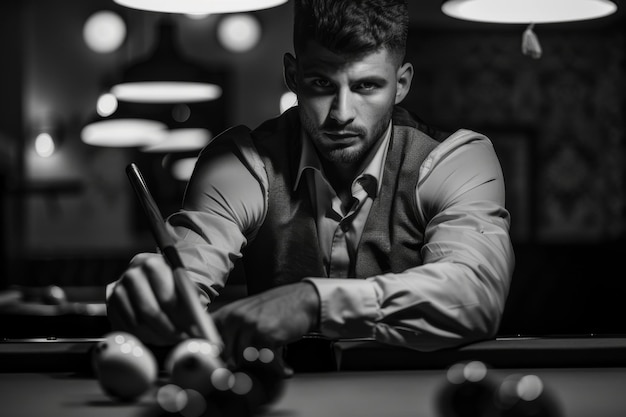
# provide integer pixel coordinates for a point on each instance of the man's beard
(346, 155)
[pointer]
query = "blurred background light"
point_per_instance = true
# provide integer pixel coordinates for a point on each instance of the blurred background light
(124, 132)
(181, 140)
(106, 104)
(239, 32)
(104, 31)
(44, 145)
(181, 113)
(183, 168)
(165, 91)
(528, 11)
(200, 6)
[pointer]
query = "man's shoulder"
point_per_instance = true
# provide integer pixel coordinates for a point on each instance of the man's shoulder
(286, 123)
(405, 119)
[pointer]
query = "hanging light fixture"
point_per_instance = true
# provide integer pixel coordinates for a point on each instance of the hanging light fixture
(123, 133)
(529, 12)
(200, 6)
(123, 129)
(166, 76)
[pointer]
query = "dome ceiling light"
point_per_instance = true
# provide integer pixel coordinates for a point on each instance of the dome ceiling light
(200, 6)
(166, 76)
(529, 12)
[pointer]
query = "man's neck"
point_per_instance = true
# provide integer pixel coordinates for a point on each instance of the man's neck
(340, 177)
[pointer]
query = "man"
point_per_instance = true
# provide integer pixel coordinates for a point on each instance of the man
(352, 219)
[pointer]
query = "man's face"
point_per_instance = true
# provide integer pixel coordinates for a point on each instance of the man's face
(346, 102)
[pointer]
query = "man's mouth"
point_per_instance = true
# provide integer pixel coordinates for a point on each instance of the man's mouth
(341, 135)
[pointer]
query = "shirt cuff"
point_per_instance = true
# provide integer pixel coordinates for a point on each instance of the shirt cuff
(348, 307)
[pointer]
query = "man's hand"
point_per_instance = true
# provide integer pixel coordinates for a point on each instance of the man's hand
(270, 319)
(143, 302)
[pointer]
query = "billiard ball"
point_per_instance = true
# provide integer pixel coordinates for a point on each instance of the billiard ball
(53, 295)
(125, 368)
(525, 396)
(468, 391)
(256, 380)
(196, 364)
(183, 402)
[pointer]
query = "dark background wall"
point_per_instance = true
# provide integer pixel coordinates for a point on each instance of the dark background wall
(557, 124)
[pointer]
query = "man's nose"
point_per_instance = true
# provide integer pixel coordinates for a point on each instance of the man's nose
(343, 110)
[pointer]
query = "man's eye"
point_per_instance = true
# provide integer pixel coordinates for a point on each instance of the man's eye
(367, 86)
(321, 83)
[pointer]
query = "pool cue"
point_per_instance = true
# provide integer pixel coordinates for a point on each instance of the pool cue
(203, 324)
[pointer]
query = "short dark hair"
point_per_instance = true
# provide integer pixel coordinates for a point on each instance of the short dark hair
(352, 27)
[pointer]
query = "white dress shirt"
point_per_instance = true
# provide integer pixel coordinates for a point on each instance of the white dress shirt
(456, 296)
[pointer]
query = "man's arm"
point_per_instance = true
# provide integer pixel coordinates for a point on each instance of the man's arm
(224, 206)
(457, 296)
(224, 203)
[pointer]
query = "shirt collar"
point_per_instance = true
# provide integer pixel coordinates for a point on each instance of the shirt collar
(374, 165)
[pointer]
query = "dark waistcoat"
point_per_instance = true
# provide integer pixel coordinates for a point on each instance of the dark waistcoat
(286, 248)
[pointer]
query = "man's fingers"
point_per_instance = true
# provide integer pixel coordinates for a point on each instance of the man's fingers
(120, 310)
(161, 280)
(140, 258)
(144, 301)
(238, 324)
(150, 317)
(219, 318)
(122, 317)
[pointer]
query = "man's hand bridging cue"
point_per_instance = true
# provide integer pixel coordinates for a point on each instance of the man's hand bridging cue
(270, 319)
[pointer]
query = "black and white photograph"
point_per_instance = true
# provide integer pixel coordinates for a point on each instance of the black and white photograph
(313, 208)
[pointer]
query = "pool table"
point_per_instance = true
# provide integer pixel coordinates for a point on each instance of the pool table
(586, 376)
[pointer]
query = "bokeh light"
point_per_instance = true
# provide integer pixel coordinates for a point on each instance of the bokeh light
(104, 31)
(183, 168)
(171, 398)
(166, 92)
(106, 104)
(44, 145)
(222, 379)
(239, 32)
(123, 132)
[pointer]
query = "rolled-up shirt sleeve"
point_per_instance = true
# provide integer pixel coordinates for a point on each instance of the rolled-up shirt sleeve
(457, 294)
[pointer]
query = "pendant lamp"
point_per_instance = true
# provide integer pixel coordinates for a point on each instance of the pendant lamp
(200, 6)
(529, 12)
(166, 76)
(124, 128)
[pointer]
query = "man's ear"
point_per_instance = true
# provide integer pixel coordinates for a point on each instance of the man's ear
(404, 79)
(290, 72)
